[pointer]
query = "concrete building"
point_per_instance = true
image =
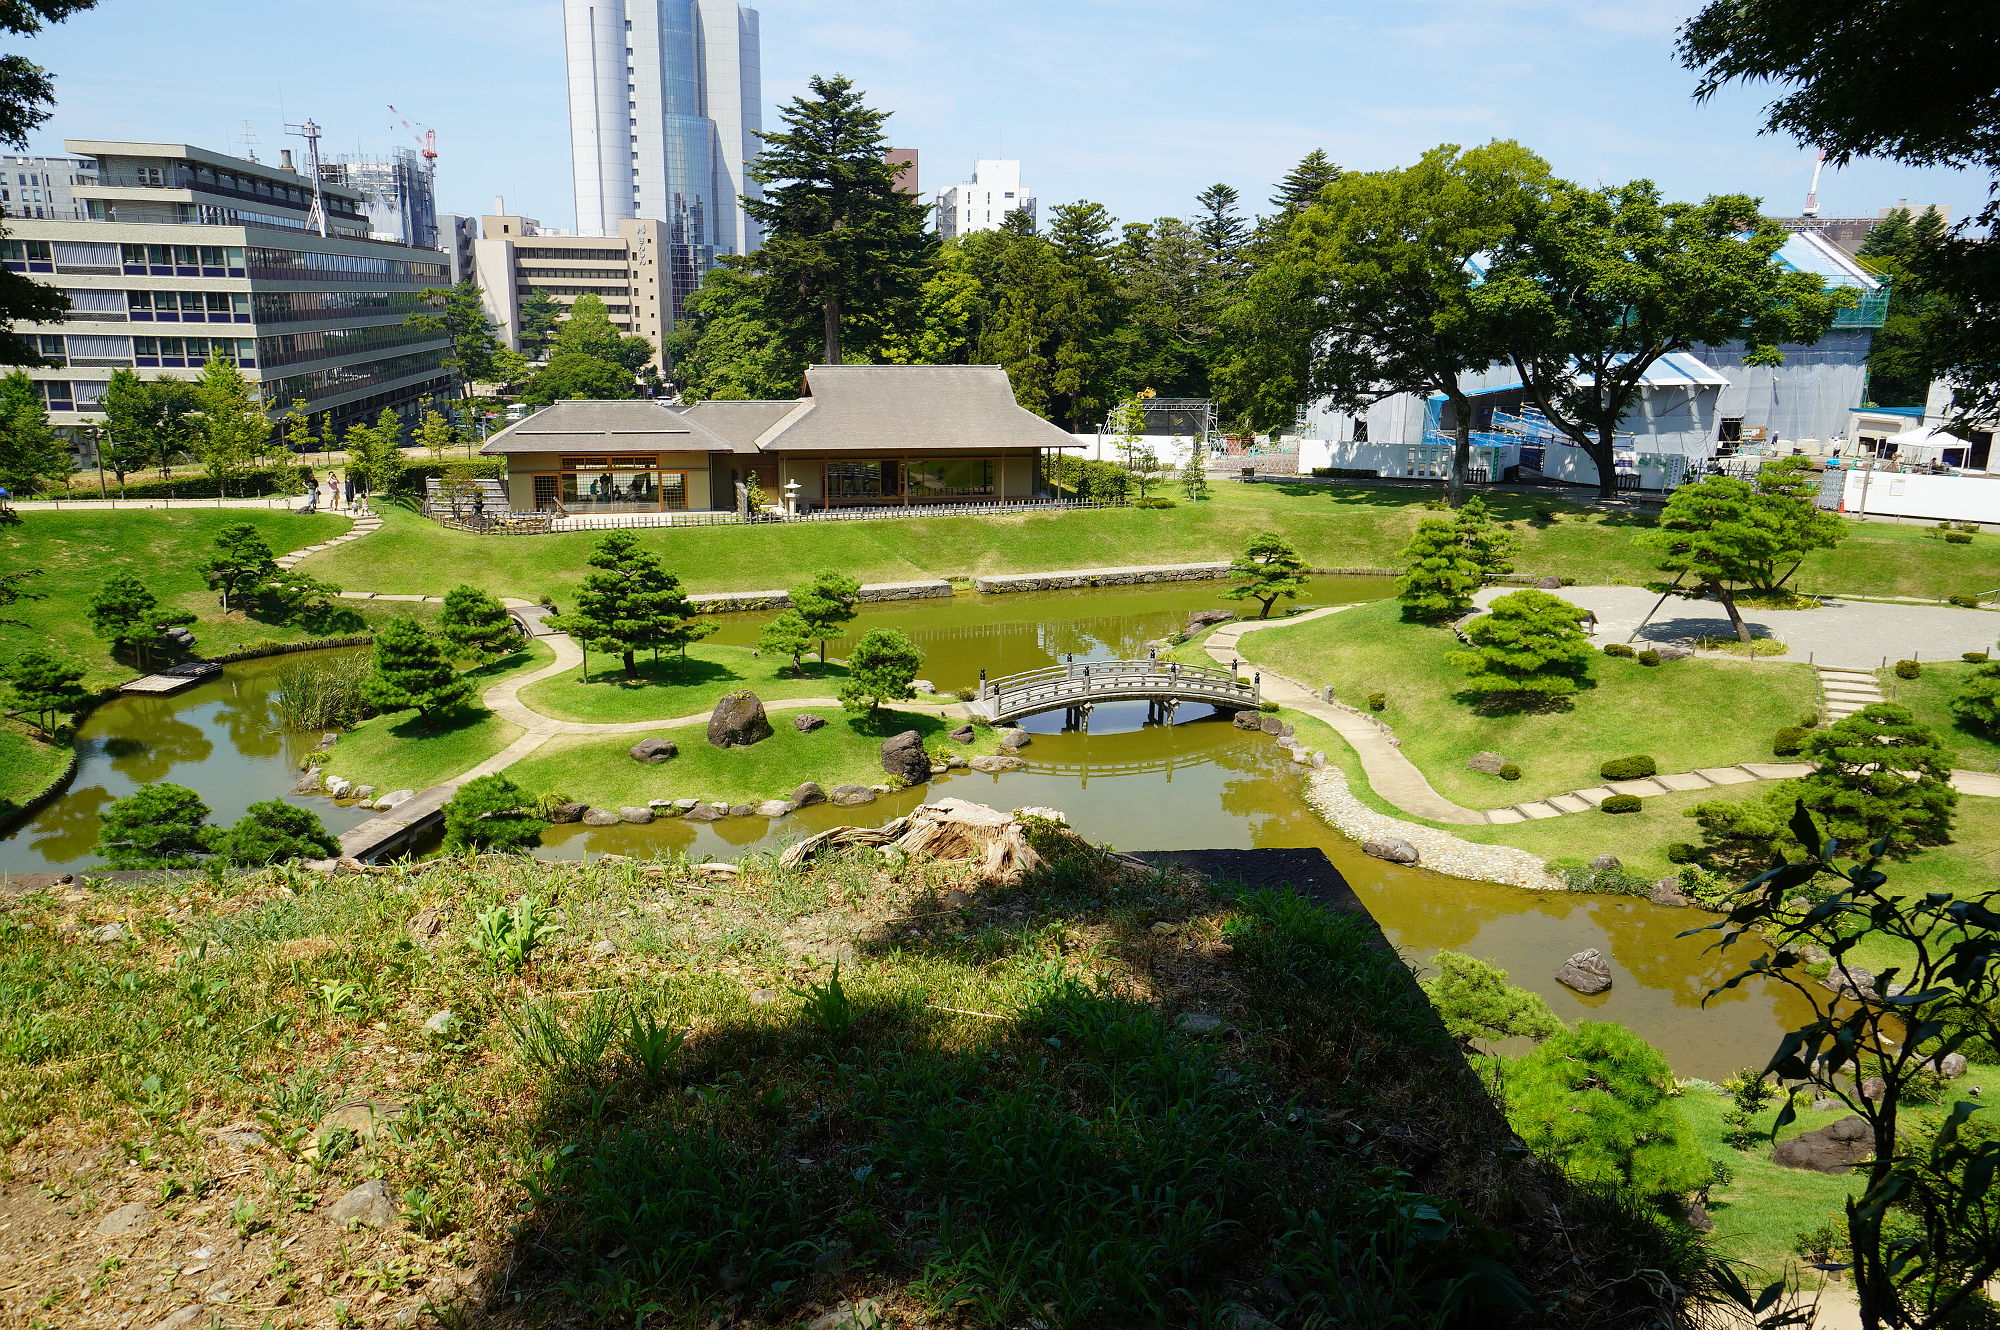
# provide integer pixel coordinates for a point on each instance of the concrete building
(44, 187)
(456, 233)
(983, 202)
(1851, 233)
(906, 165)
(515, 255)
(185, 253)
(862, 436)
(665, 101)
(397, 193)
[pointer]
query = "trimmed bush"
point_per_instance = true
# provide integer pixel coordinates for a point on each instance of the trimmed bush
(1346, 473)
(1621, 803)
(1154, 503)
(1267, 707)
(1958, 537)
(1974, 657)
(1378, 701)
(1965, 602)
(1620, 650)
(1809, 721)
(1788, 741)
(1509, 771)
(1682, 852)
(1908, 669)
(1629, 768)
(1649, 657)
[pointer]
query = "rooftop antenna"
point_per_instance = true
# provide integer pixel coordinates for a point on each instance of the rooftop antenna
(247, 139)
(316, 219)
(1812, 193)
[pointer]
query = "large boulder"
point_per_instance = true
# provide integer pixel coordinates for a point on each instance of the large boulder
(1247, 720)
(637, 814)
(1851, 981)
(600, 817)
(808, 794)
(1548, 584)
(1951, 1065)
(1587, 972)
(1832, 1149)
(776, 808)
(1606, 863)
(1395, 851)
(997, 763)
(805, 722)
(703, 813)
(1201, 619)
(1485, 763)
(1015, 739)
(1667, 891)
(903, 757)
(738, 721)
(850, 796)
(964, 734)
(655, 750)
(1271, 725)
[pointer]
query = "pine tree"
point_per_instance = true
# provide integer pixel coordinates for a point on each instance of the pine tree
(1479, 1006)
(1194, 474)
(1268, 569)
(125, 611)
(46, 687)
(274, 832)
(458, 313)
(31, 456)
(1302, 185)
(827, 604)
(232, 425)
(410, 672)
(540, 313)
(242, 563)
(491, 813)
(1528, 647)
(156, 826)
(881, 668)
(1879, 774)
(788, 635)
(1488, 545)
(629, 603)
(1977, 704)
(1440, 574)
(476, 626)
(845, 250)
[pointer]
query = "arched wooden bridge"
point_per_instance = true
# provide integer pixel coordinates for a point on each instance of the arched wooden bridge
(1061, 687)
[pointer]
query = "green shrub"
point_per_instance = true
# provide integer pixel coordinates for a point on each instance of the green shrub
(1809, 720)
(1620, 650)
(1958, 537)
(1629, 768)
(1682, 852)
(1621, 803)
(1345, 473)
(1788, 741)
(1908, 669)
(1965, 602)
(1378, 701)
(1154, 503)
(1975, 657)
(1267, 707)
(1510, 771)
(1582, 878)
(1649, 657)
(1969, 528)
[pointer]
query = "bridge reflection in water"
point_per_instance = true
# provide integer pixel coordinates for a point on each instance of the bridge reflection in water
(1079, 687)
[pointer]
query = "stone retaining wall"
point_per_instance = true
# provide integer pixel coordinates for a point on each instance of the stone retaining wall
(724, 602)
(1096, 577)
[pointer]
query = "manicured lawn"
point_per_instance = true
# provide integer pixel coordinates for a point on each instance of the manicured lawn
(165, 549)
(1334, 527)
(1762, 1209)
(395, 752)
(27, 766)
(670, 687)
(1929, 696)
(1639, 840)
(1691, 713)
(599, 769)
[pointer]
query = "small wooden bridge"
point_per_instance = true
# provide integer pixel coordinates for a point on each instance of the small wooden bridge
(1082, 686)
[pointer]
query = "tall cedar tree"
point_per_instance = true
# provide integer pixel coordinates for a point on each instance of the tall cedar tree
(241, 564)
(31, 456)
(46, 687)
(1267, 570)
(1918, 84)
(156, 826)
(232, 426)
(1905, 354)
(1304, 183)
(1590, 292)
(1378, 281)
(125, 611)
(1528, 647)
(540, 313)
(476, 626)
(827, 604)
(845, 251)
(1440, 575)
(881, 668)
(411, 672)
(27, 93)
(458, 314)
(629, 603)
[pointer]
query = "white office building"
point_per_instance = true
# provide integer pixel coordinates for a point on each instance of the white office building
(983, 202)
(665, 101)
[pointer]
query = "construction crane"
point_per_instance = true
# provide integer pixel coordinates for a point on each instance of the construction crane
(426, 139)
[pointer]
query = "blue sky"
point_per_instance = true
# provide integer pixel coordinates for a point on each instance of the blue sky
(1137, 104)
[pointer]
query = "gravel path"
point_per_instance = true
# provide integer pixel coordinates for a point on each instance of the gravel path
(1437, 850)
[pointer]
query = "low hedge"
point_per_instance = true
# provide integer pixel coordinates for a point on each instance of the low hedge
(1346, 473)
(1908, 669)
(1629, 768)
(1622, 803)
(1789, 741)
(411, 481)
(1620, 650)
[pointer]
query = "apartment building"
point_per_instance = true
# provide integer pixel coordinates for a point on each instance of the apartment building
(628, 271)
(182, 253)
(983, 202)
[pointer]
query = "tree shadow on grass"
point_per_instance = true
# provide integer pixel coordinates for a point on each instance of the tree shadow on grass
(1520, 704)
(887, 722)
(457, 720)
(1540, 509)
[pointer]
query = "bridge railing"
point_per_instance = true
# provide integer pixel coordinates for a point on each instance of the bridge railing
(1073, 684)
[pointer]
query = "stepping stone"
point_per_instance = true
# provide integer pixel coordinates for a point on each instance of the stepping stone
(1645, 789)
(1851, 690)
(1593, 796)
(1569, 803)
(1505, 815)
(1725, 775)
(1537, 812)
(1777, 770)
(1840, 710)
(1683, 780)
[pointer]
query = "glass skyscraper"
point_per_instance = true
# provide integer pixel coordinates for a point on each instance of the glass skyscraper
(665, 99)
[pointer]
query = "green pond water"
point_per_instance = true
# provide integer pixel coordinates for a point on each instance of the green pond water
(1196, 784)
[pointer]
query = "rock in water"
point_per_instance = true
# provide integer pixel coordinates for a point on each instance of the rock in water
(995, 763)
(1395, 851)
(1667, 891)
(1832, 1149)
(703, 813)
(600, 817)
(637, 815)
(1486, 764)
(805, 722)
(1015, 739)
(903, 757)
(1271, 725)
(1587, 972)
(569, 812)
(655, 750)
(1247, 720)
(850, 796)
(738, 721)
(776, 808)
(1201, 619)
(808, 794)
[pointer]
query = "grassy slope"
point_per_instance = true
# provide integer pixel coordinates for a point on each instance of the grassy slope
(27, 765)
(1334, 528)
(599, 770)
(165, 549)
(671, 687)
(1928, 696)
(394, 752)
(1764, 1207)
(1696, 713)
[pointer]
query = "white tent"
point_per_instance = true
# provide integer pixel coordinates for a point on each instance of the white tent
(1927, 444)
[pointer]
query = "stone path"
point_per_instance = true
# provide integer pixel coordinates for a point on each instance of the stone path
(1844, 692)
(365, 523)
(1704, 778)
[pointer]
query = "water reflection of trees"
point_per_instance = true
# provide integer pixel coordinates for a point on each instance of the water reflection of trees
(245, 713)
(64, 831)
(148, 751)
